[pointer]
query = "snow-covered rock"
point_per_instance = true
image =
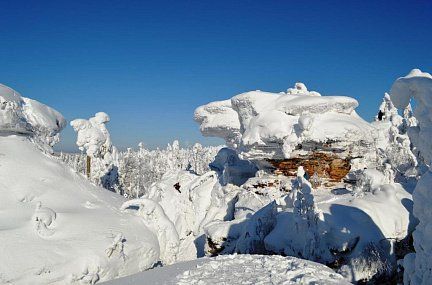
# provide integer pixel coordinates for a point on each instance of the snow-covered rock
(26, 116)
(272, 125)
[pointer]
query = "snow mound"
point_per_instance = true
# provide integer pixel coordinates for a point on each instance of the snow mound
(239, 269)
(23, 115)
(57, 228)
(271, 125)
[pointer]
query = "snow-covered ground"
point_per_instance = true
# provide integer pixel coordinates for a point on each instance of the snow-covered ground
(237, 269)
(56, 227)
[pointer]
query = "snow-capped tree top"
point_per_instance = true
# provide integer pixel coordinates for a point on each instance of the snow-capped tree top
(93, 136)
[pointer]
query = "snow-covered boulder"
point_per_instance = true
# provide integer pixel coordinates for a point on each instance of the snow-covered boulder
(26, 116)
(264, 125)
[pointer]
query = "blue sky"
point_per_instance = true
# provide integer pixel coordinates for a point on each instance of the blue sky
(150, 64)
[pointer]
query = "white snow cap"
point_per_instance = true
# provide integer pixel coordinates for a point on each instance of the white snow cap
(301, 89)
(23, 115)
(268, 125)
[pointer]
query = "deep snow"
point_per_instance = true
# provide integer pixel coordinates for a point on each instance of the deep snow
(56, 227)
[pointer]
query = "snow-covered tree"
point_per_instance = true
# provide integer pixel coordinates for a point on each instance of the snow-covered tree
(93, 138)
(307, 220)
(396, 150)
(418, 85)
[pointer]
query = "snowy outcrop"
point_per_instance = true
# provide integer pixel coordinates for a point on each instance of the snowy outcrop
(26, 116)
(417, 85)
(219, 119)
(264, 125)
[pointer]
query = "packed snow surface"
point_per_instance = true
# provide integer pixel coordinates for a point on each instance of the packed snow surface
(58, 228)
(238, 269)
(270, 125)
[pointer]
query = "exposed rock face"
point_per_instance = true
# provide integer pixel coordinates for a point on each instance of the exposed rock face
(325, 166)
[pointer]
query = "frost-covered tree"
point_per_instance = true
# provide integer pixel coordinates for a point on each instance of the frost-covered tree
(418, 85)
(386, 109)
(396, 150)
(139, 168)
(93, 138)
(307, 220)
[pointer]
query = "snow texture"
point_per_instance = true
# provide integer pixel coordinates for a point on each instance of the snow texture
(239, 269)
(57, 228)
(417, 85)
(23, 115)
(270, 125)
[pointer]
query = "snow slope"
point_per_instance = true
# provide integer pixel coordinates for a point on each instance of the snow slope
(56, 227)
(238, 269)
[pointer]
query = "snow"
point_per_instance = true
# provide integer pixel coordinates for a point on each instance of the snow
(56, 226)
(270, 125)
(23, 115)
(417, 85)
(93, 136)
(238, 269)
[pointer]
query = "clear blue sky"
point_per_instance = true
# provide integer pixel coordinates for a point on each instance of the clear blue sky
(150, 64)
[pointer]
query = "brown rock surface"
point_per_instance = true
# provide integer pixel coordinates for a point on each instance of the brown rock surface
(327, 166)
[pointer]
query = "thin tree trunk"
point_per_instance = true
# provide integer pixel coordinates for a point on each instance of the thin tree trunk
(88, 163)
